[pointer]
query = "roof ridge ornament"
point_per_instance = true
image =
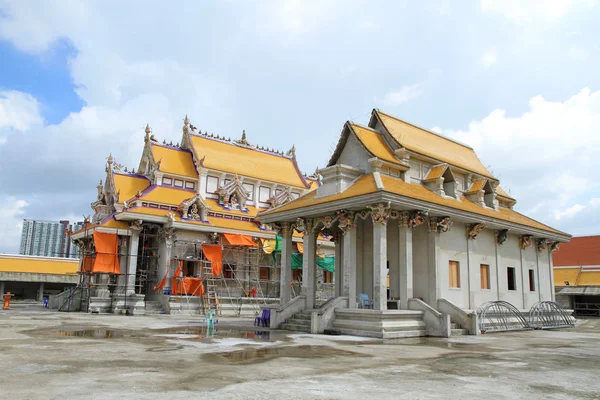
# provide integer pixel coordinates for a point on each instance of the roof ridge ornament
(243, 141)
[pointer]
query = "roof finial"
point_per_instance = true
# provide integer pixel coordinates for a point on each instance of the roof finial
(148, 130)
(186, 125)
(186, 121)
(110, 159)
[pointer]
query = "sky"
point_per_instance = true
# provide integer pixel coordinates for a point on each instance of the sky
(517, 80)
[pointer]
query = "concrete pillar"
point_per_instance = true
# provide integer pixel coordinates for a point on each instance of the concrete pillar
(285, 279)
(538, 287)
(349, 268)
(433, 252)
(393, 258)
(309, 266)
(470, 271)
(163, 263)
(132, 262)
(523, 277)
(337, 275)
(168, 254)
(40, 296)
(497, 247)
(379, 265)
(550, 264)
(405, 249)
(2, 287)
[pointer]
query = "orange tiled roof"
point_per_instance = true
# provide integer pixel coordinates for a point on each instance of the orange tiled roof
(477, 186)
(436, 172)
(127, 185)
(166, 195)
(375, 144)
(174, 161)
(562, 275)
(432, 145)
(500, 192)
(366, 185)
(578, 252)
(240, 160)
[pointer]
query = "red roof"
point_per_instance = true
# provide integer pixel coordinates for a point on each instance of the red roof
(580, 251)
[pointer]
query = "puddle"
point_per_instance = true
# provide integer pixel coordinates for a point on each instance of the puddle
(206, 335)
(252, 356)
(93, 333)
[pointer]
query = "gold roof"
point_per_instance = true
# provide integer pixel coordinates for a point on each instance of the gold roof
(174, 161)
(587, 278)
(313, 184)
(375, 144)
(38, 265)
(500, 192)
(432, 145)
(215, 207)
(166, 195)
(477, 186)
(366, 185)
(127, 185)
(244, 161)
(436, 172)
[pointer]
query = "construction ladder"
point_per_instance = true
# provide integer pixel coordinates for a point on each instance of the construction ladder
(210, 293)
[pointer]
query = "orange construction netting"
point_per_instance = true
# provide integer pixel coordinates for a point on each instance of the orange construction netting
(107, 253)
(188, 285)
(214, 253)
(239, 240)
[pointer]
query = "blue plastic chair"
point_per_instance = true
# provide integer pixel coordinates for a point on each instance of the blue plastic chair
(45, 302)
(263, 319)
(364, 300)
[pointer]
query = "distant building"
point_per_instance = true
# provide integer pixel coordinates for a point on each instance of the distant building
(48, 239)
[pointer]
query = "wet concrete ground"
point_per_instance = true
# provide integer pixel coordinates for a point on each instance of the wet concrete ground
(48, 355)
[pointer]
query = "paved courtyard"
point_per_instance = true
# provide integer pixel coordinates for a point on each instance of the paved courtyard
(49, 355)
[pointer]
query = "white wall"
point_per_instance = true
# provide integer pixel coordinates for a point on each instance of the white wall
(530, 262)
(365, 259)
(453, 247)
(393, 256)
(510, 256)
(545, 286)
(483, 251)
(354, 154)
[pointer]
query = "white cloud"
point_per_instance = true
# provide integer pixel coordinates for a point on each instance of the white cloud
(404, 94)
(527, 10)
(578, 53)
(18, 111)
(547, 155)
(11, 211)
(489, 58)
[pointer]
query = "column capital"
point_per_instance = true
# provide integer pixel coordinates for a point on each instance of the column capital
(380, 212)
(541, 244)
(525, 241)
(286, 229)
(136, 226)
(440, 224)
(554, 246)
(473, 230)
(346, 220)
(501, 236)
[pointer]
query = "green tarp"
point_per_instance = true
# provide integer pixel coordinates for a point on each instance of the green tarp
(327, 263)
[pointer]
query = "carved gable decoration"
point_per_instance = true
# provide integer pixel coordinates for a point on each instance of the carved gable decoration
(233, 196)
(194, 209)
(283, 197)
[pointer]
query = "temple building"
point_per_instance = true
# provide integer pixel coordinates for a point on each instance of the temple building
(180, 232)
(424, 237)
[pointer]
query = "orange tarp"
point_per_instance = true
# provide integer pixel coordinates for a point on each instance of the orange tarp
(239, 240)
(87, 264)
(107, 253)
(162, 283)
(214, 253)
(176, 275)
(300, 247)
(188, 285)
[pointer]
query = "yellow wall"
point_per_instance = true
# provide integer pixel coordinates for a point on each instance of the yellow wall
(38, 265)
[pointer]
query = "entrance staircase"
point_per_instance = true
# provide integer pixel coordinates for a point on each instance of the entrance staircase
(457, 330)
(300, 322)
(380, 324)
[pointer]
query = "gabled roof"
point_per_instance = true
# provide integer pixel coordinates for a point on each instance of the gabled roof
(245, 161)
(366, 184)
(374, 143)
(431, 144)
(476, 186)
(174, 161)
(580, 251)
(127, 185)
(436, 172)
(502, 193)
(166, 195)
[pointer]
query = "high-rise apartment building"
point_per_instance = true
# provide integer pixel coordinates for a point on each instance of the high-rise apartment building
(47, 238)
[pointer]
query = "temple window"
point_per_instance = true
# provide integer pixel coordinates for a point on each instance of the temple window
(511, 278)
(531, 280)
(167, 181)
(264, 273)
(212, 184)
(264, 194)
(454, 274)
(190, 185)
(248, 187)
(178, 183)
(489, 196)
(484, 273)
(449, 184)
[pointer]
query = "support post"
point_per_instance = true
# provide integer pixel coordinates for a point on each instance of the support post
(2, 287)
(406, 265)
(550, 264)
(379, 265)
(309, 265)
(133, 255)
(433, 251)
(41, 292)
(337, 275)
(523, 277)
(349, 268)
(285, 278)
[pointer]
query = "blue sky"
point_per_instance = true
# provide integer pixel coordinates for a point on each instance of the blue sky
(515, 79)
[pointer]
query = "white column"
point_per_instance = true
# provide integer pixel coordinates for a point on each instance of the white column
(497, 247)
(433, 251)
(537, 273)
(470, 269)
(132, 262)
(41, 292)
(337, 275)
(285, 278)
(523, 277)
(309, 265)
(379, 265)
(393, 258)
(349, 268)
(550, 263)
(406, 265)
(168, 252)
(2, 287)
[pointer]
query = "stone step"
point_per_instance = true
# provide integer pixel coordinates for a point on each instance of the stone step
(455, 326)
(383, 335)
(302, 316)
(459, 332)
(396, 326)
(296, 321)
(295, 327)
